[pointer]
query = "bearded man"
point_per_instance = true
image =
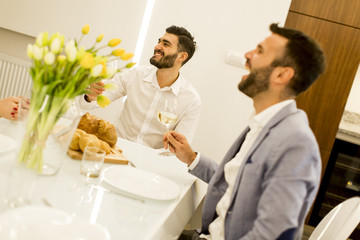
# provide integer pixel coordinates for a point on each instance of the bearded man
(146, 86)
(268, 180)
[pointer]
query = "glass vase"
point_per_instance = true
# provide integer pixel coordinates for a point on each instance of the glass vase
(46, 134)
(21, 183)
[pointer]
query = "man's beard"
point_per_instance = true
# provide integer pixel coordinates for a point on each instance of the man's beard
(164, 62)
(256, 82)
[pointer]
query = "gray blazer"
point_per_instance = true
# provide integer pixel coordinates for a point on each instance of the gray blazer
(276, 183)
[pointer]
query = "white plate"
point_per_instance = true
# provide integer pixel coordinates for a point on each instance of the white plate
(6, 143)
(44, 223)
(140, 183)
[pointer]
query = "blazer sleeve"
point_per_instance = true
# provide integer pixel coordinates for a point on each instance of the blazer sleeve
(205, 169)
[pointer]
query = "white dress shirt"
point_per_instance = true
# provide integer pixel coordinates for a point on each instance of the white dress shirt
(256, 124)
(138, 121)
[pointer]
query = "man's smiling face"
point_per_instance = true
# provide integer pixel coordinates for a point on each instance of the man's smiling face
(165, 52)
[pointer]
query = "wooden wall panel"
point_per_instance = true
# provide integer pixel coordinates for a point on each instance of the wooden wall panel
(325, 101)
(340, 11)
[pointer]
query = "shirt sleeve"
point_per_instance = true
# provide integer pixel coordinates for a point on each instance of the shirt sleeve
(85, 104)
(188, 123)
(195, 162)
(119, 80)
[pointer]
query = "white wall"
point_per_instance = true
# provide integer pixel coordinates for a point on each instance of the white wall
(114, 18)
(353, 102)
(218, 26)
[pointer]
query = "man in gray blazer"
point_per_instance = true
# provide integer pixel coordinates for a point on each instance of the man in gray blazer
(267, 182)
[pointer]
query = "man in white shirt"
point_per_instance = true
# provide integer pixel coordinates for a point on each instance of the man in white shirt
(267, 182)
(146, 86)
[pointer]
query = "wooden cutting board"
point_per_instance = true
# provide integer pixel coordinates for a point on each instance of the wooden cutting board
(115, 156)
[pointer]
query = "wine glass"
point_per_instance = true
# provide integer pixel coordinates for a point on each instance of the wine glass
(167, 114)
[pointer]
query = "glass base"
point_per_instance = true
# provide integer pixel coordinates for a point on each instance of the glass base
(20, 187)
(167, 153)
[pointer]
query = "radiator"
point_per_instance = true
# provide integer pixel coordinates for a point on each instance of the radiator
(15, 79)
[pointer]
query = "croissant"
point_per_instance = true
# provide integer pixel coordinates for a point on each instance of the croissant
(74, 144)
(104, 130)
(89, 140)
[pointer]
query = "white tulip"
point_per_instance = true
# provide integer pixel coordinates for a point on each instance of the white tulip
(30, 51)
(110, 72)
(38, 52)
(42, 39)
(71, 54)
(45, 50)
(71, 50)
(70, 44)
(55, 45)
(49, 58)
(96, 70)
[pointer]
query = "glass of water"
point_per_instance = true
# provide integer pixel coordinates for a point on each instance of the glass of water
(92, 161)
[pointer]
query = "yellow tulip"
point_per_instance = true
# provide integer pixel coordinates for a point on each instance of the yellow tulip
(87, 61)
(61, 58)
(80, 53)
(130, 65)
(114, 42)
(103, 69)
(118, 52)
(103, 101)
(85, 30)
(42, 39)
(127, 56)
(100, 37)
(111, 86)
(100, 59)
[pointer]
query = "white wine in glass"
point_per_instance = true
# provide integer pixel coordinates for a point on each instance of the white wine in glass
(167, 114)
(167, 118)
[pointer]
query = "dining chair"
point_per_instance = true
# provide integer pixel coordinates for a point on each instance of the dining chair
(340, 222)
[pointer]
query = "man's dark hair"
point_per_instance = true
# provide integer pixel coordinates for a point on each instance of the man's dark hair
(186, 41)
(301, 53)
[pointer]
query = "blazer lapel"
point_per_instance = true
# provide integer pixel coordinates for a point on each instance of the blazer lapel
(233, 150)
(283, 113)
(236, 145)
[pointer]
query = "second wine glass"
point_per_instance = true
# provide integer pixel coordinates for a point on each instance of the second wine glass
(167, 114)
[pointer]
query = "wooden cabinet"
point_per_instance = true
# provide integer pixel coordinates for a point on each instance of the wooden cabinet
(336, 26)
(345, 12)
(325, 101)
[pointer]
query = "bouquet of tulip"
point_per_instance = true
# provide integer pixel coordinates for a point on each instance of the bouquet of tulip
(61, 71)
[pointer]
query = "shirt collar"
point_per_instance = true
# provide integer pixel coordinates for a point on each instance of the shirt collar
(264, 117)
(175, 87)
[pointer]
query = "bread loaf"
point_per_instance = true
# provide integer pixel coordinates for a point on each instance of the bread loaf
(81, 139)
(104, 130)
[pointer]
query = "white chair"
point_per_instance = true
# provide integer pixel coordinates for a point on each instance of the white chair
(340, 222)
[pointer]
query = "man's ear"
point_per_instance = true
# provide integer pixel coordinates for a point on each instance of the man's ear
(283, 74)
(183, 56)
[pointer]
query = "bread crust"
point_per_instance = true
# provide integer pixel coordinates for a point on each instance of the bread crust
(104, 130)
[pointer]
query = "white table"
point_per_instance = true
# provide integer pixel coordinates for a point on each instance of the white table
(124, 217)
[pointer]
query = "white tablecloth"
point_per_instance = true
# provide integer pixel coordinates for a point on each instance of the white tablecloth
(124, 217)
